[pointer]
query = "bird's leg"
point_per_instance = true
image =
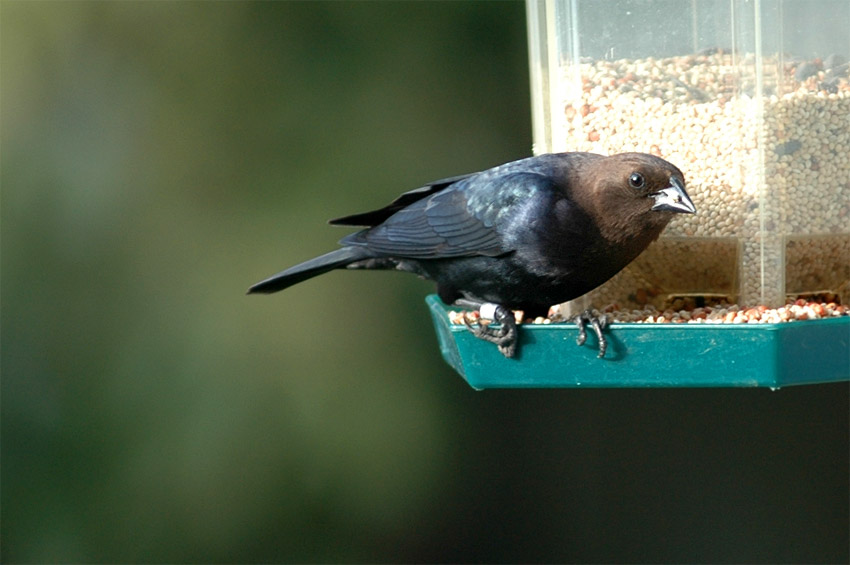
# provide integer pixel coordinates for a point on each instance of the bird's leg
(505, 337)
(598, 323)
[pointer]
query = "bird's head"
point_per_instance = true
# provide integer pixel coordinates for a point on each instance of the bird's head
(635, 195)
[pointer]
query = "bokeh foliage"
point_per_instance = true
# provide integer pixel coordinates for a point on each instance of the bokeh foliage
(159, 157)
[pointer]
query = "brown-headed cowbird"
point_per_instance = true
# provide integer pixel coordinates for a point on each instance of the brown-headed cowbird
(524, 235)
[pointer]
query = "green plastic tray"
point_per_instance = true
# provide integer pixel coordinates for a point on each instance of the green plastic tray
(653, 355)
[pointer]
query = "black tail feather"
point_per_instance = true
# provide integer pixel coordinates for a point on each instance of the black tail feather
(308, 269)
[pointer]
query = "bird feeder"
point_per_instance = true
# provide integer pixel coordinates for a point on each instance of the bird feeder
(751, 100)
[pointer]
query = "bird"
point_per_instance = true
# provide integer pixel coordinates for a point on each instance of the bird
(524, 235)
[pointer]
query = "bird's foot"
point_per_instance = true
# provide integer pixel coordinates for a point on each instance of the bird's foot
(505, 337)
(598, 323)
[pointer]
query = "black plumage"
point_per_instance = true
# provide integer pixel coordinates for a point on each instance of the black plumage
(523, 235)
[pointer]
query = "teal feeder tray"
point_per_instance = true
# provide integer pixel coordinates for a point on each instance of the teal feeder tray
(653, 355)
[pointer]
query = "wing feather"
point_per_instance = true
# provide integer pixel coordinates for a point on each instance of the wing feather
(375, 217)
(462, 219)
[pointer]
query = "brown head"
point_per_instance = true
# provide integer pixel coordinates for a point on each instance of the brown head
(632, 196)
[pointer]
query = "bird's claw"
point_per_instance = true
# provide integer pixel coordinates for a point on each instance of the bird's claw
(598, 323)
(505, 337)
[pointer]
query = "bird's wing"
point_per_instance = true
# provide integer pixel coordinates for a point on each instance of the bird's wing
(375, 217)
(463, 220)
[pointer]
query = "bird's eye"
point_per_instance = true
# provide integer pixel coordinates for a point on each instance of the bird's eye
(636, 180)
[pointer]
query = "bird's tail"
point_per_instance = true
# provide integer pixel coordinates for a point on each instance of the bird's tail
(308, 269)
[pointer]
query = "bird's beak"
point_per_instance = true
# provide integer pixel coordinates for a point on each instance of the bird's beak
(673, 198)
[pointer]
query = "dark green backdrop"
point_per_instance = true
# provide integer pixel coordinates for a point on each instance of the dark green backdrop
(159, 157)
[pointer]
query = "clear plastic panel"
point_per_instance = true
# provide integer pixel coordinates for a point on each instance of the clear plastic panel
(749, 98)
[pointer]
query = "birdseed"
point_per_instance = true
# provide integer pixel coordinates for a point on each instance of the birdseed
(769, 175)
(797, 310)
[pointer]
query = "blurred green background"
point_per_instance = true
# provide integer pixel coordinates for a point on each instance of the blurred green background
(160, 157)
